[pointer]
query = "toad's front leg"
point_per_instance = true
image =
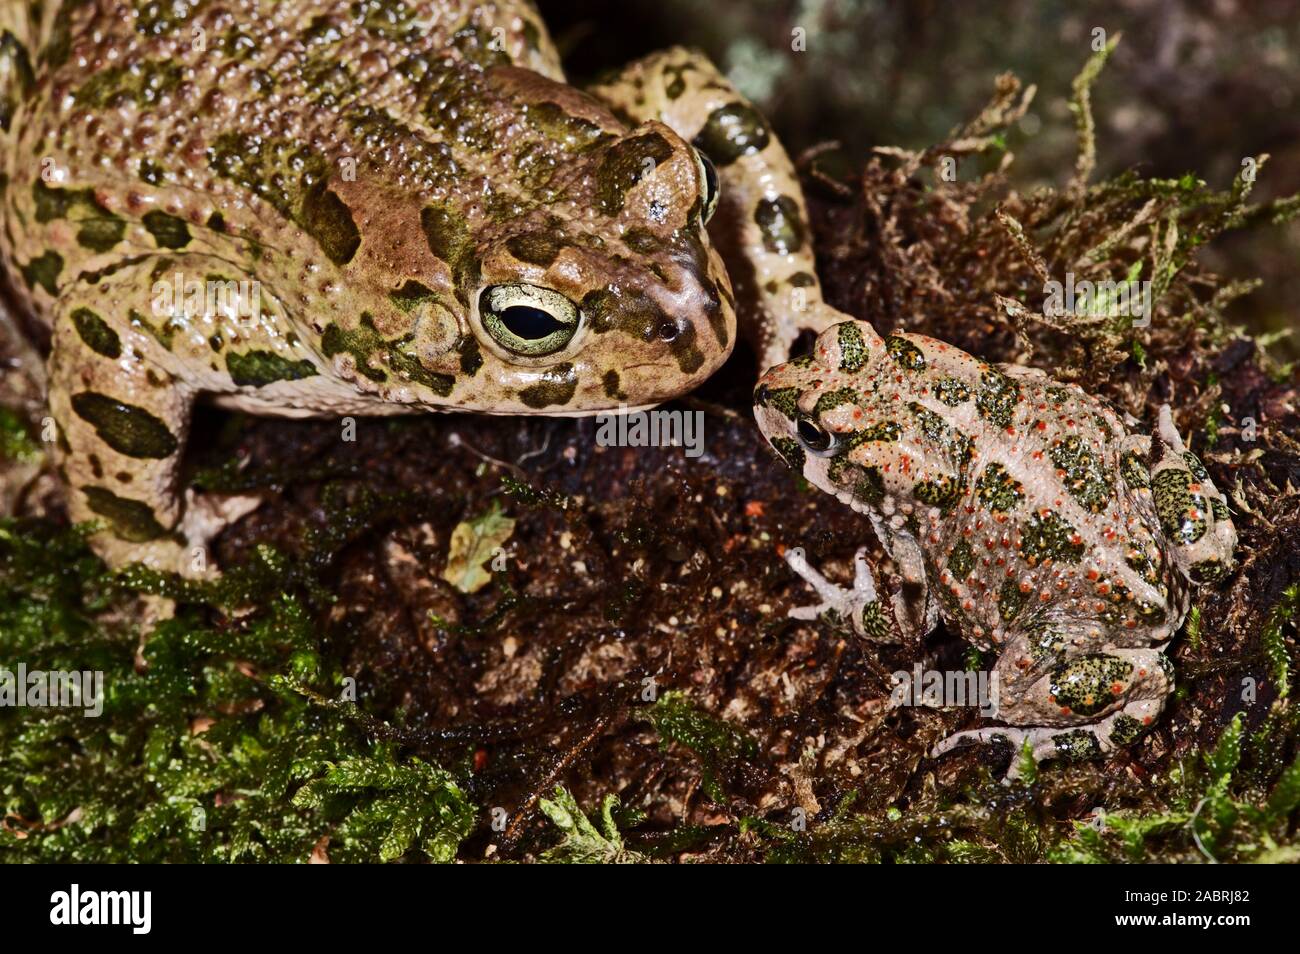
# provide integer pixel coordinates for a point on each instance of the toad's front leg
(861, 606)
(761, 228)
(124, 375)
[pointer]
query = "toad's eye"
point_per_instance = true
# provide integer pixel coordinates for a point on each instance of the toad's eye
(528, 320)
(709, 177)
(815, 438)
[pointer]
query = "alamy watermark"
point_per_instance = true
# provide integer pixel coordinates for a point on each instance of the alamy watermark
(1108, 299)
(624, 428)
(943, 689)
(53, 688)
(210, 297)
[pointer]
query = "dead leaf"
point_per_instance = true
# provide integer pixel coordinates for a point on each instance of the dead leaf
(473, 543)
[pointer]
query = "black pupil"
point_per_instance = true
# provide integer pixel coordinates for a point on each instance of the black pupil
(813, 435)
(710, 179)
(531, 324)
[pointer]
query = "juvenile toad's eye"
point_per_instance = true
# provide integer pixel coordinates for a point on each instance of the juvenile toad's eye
(815, 438)
(528, 320)
(709, 177)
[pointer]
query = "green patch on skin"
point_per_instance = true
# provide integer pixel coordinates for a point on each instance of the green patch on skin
(168, 231)
(998, 490)
(1086, 684)
(1196, 467)
(1125, 730)
(217, 222)
(389, 18)
(781, 225)
(14, 63)
(1010, 601)
(784, 400)
(479, 46)
(96, 333)
(410, 296)
(43, 271)
(1140, 562)
(1220, 509)
(1047, 536)
(571, 133)
(292, 177)
(675, 77)
(1134, 471)
(126, 428)
(884, 431)
(471, 358)
(623, 165)
(131, 520)
(99, 229)
(1207, 571)
(557, 387)
(259, 368)
(961, 560)
(1046, 644)
(791, 452)
(943, 492)
(326, 219)
(733, 131)
(635, 314)
(952, 392)
(1086, 480)
(1079, 745)
(1175, 503)
(143, 83)
(535, 248)
(610, 382)
(833, 399)
(157, 17)
(449, 239)
(853, 347)
(905, 354)
(997, 397)
(365, 341)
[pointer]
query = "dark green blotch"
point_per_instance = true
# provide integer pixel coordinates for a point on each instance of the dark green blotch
(1080, 745)
(571, 133)
(1134, 470)
(610, 382)
(833, 399)
(44, 271)
(471, 358)
(410, 295)
(96, 333)
(449, 238)
(259, 368)
(1125, 730)
(785, 400)
(731, 132)
(535, 248)
(150, 172)
(853, 347)
(1085, 478)
(943, 492)
(961, 560)
(1047, 536)
(952, 392)
(623, 165)
(131, 520)
(1085, 684)
(326, 219)
(997, 397)
(781, 225)
(126, 428)
(905, 354)
(1010, 601)
(557, 386)
(167, 230)
(998, 490)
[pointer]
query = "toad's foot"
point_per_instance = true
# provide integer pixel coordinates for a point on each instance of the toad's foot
(860, 606)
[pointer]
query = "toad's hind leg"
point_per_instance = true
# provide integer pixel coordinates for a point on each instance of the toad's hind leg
(761, 226)
(1073, 706)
